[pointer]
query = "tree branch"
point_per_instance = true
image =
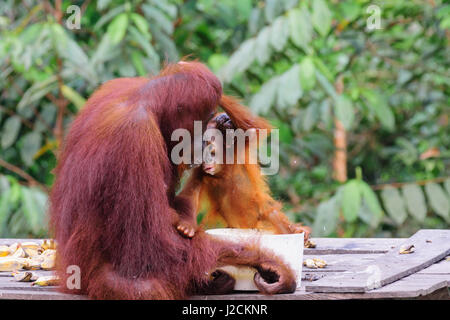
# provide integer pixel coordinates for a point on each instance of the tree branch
(31, 181)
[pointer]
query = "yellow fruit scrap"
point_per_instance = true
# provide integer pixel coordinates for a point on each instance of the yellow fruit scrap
(31, 245)
(310, 244)
(26, 276)
(315, 263)
(32, 264)
(11, 263)
(20, 253)
(14, 247)
(31, 248)
(46, 281)
(28, 255)
(48, 263)
(406, 249)
(49, 244)
(48, 253)
(4, 251)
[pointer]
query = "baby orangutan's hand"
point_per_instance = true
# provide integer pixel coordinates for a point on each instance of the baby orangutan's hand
(186, 228)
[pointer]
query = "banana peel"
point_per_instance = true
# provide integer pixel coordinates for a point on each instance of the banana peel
(48, 263)
(19, 253)
(46, 281)
(49, 244)
(315, 263)
(26, 276)
(11, 263)
(4, 251)
(32, 264)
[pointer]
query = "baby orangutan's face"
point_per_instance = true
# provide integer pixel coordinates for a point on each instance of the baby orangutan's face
(222, 122)
(212, 168)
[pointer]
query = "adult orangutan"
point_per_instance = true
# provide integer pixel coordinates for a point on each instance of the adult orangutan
(236, 195)
(113, 206)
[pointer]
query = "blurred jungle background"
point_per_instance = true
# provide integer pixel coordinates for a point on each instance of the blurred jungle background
(359, 90)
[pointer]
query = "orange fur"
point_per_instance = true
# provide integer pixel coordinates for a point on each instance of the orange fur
(238, 196)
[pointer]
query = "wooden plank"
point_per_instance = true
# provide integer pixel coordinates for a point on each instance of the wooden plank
(430, 245)
(341, 262)
(38, 295)
(335, 266)
(352, 245)
(341, 255)
(7, 242)
(324, 245)
(413, 286)
(442, 267)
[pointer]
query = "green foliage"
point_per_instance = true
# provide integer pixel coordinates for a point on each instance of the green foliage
(303, 64)
(22, 209)
(388, 87)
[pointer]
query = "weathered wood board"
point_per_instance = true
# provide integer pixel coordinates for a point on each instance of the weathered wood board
(430, 247)
(341, 255)
(352, 245)
(324, 245)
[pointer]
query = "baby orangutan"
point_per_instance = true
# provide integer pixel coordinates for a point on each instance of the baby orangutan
(237, 195)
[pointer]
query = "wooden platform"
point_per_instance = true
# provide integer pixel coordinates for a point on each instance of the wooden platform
(341, 255)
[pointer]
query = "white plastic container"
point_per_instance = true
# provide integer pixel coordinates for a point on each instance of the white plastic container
(289, 247)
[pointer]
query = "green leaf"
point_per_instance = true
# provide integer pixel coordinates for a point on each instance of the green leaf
(255, 21)
(73, 96)
(36, 92)
(261, 102)
(107, 17)
(272, 9)
(344, 111)
(141, 23)
(30, 209)
(351, 200)
(286, 135)
(15, 194)
(4, 184)
(380, 108)
(370, 201)
(166, 46)
(321, 17)
(366, 215)
(102, 4)
(288, 4)
(415, 201)
(311, 116)
(10, 131)
(158, 19)
(438, 200)
(307, 74)
(31, 144)
(34, 207)
(279, 33)
(262, 48)
(327, 218)
(105, 51)
(217, 61)
(5, 211)
(300, 27)
(117, 28)
(146, 45)
(447, 186)
(166, 7)
(239, 61)
(326, 85)
(136, 58)
(46, 119)
(289, 88)
(394, 204)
